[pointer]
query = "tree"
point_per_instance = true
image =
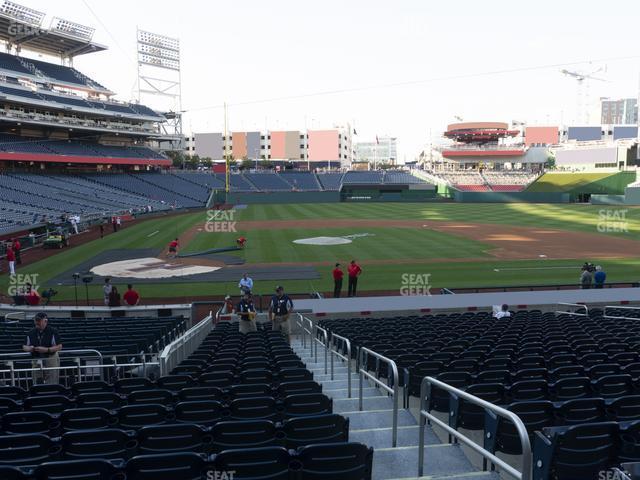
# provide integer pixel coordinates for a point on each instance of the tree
(246, 164)
(266, 164)
(551, 162)
(177, 158)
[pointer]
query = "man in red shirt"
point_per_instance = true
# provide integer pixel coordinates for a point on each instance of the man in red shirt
(354, 272)
(173, 248)
(337, 280)
(241, 241)
(16, 249)
(131, 297)
(11, 259)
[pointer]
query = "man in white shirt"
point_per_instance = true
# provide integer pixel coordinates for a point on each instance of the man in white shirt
(501, 312)
(245, 284)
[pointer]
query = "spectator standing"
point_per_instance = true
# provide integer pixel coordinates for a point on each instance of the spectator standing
(354, 271)
(131, 297)
(106, 290)
(337, 280)
(101, 230)
(599, 277)
(114, 225)
(247, 313)
(280, 309)
(11, 259)
(586, 278)
(44, 343)
(118, 223)
(114, 297)
(246, 284)
(226, 309)
(17, 247)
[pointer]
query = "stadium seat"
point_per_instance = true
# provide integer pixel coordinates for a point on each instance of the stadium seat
(174, 438)
(166, 466)
(29, 422)
(245, 434)
(86, 418)
(309, 430)
(23, 450)
(94, 469)
(201, 412)
(267, 463)
(578, 452)
(103, 443)
(346, 461)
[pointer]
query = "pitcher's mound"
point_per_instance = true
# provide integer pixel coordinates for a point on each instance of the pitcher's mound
(322, 241)
(149, 268)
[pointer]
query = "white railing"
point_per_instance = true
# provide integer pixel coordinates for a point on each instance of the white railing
(578, 305)
(425, 414)
(185, 345)
(391, 387)
(335, 351)
(307, 327)
(636, 309)
(87, 365)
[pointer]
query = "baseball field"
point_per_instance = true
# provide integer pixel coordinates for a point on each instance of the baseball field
(449, 245)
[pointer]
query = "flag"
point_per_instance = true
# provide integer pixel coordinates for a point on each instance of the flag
(354, 132)
(377, 141)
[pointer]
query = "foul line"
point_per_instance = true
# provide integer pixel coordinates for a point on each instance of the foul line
(534, 268)
(153, 233)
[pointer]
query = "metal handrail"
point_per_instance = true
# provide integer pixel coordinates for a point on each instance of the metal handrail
(425, 394)
(604, 312)
(325, 335)
(346, 357)
(393, 391)
(184, 345)
(303, 329)
(579, 305)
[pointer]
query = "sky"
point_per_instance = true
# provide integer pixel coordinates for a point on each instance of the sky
(405, 68)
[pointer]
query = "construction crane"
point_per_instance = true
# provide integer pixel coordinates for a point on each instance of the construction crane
(582, 94)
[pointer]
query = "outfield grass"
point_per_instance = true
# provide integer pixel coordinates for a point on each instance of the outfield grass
(388, 243)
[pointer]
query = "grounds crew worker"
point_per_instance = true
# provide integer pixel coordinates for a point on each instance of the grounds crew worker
(247, 313)
(280, 309)
(43, 342)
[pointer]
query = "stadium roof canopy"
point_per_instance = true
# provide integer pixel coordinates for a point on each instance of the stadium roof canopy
(22, 27)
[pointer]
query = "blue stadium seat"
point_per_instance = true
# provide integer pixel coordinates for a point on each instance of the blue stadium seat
(309, 430)
(346, 461)
(103, 443)
(167, 466)
(174, 438)
(268, 463)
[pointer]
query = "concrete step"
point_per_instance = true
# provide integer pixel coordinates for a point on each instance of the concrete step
(340, 393)
(374, 402)
(460, 476)
(381, 437)
(439, 461)
(377, 418)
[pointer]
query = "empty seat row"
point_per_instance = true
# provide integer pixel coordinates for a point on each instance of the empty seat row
(112, 443)
(344, 461)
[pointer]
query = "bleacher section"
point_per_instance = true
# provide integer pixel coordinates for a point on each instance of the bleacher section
(163, 188)
(12, 143)
(302, 181)
(574, 183)
(357, 177)
(111, 336)
(26, 198)
(572, 379)
(486, 181)
(330, 181)
(268, 182)
(240, 403)
(45, 71)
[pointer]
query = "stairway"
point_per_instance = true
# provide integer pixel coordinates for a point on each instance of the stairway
(372, 427)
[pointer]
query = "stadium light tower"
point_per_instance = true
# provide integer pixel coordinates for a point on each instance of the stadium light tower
(582, 94)
(159, 78)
